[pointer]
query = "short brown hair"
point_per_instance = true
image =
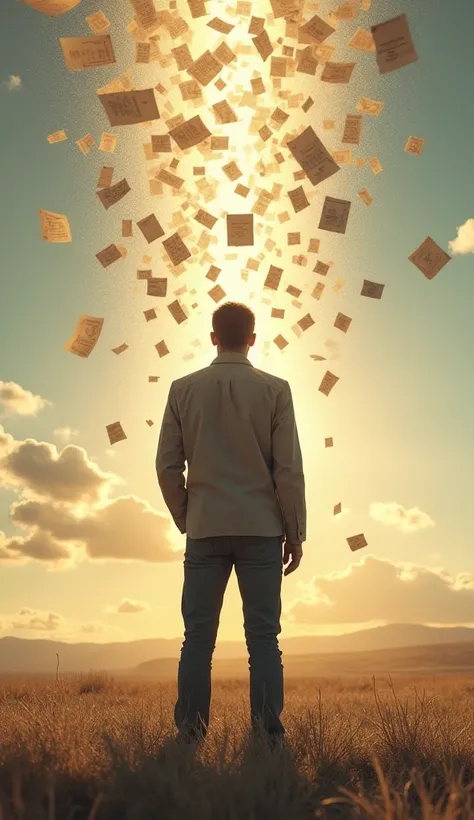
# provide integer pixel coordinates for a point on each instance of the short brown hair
(233, 323)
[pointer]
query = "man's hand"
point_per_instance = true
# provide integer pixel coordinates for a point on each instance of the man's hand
(295, 552)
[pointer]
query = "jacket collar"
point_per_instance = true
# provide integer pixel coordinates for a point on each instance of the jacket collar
(231, 358)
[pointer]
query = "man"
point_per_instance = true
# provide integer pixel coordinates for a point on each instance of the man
(235, 427)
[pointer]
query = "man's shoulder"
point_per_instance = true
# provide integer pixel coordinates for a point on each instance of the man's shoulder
(252, 373)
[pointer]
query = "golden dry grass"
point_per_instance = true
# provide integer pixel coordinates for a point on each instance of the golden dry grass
(96, 748)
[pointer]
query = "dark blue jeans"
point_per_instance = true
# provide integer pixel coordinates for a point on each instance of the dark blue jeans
(208, 562)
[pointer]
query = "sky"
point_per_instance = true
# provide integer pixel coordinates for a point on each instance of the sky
(88, 550)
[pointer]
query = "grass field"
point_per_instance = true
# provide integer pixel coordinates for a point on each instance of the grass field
(96, 748)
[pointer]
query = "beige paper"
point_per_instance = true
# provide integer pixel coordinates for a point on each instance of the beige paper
(327, 383)
(190, 133)
(145, 13)
(157, 287)
(206, 219)
(263, 45)
(343, 157)
(239, 230)
(342, 322)
(366, 198)
(57, 136)
(190, 90)
(224, 54)
(53, 8)
(312, 156)
(322, 268)
(219, 143)
(109, 255)
(144, 274)
(362, 40)
(105, 177)
(232, 171)
(142, 53)
(216, 293)
(373, 290)
(183, 56)
(314, 245)
(273, 278)
(278, 66)
(372, 107)
(161, 349)
(205, 68)
(87, 52)
(108, 143)
(224, 112)
(337, 508)
(256, 25)
(317, 291)
(375, 165)
(110, 196)
(153, 378)
(176, 249)
(324, 52)
(414, 145)
(115, 432)
(306, 64)
(328, 442)
(197, 8)
(352, 129)
(328, 125)
(294, 238)
(170, 179)
(177, 311)
(337, 72)
(150, 228)
(308, 103)
(54, 227)
(356, 542)
(258, 86)
(130, 107)
(220, 25)
(149, 315)
(316, 29)
(429, 258)
(305, 322)
(85, 143)
(85, 336)
(334, 215)
(161, 143)
(280, 341)
(284, 8)
(127, 227)
(298, 199)
(120, 349)
(278, 313)
(98, 22)
(393, 43)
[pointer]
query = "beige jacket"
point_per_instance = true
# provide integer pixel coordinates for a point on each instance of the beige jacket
(235, 427)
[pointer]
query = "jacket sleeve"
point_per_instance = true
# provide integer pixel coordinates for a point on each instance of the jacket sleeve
(288, 468)
(170, 463)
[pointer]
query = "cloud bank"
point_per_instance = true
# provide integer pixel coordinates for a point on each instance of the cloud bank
(464, 242)
(376, 589)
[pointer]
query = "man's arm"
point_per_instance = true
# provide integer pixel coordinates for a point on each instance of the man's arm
(288, 468)
(170, 463)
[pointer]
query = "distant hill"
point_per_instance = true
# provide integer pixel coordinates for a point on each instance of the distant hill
(27, 656)
(439, 659)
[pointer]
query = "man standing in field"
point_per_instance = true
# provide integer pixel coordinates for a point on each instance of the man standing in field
(235, 427)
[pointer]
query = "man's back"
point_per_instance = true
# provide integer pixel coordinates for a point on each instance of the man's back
(245, 471)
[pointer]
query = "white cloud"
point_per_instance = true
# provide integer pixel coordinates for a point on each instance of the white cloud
(129, 606)
(65, 433)
(92, 627)
(66, 510)
(37, 467)
(464, 242)
(18, 401)
(14, 82)
(395, 515)
(378, 590)
(37, 620)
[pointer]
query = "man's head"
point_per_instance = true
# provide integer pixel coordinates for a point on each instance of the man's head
(232, 328)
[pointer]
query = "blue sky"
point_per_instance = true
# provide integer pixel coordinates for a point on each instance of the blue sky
(401, 414)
